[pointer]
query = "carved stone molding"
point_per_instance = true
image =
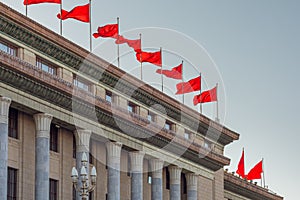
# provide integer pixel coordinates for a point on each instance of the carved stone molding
(136, 161)
(82, 140)
(42, 124)
(175, 174)
(191, 181)
(4, 109)
(156, 166)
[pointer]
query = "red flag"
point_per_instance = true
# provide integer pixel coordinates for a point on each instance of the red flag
(81, 13)
(207, 96)
(241, 167)
(255, 172)
(190, 86)
(175, 72)
(30, 2)
(135, 44)
(110, 30)
(151, 57)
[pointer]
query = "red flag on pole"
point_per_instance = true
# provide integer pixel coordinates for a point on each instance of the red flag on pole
(190, 86)
(31, 2)
(135, 44)
(81, 13)
(207, 96)
(175, 72)
(151, 57)
(241, 166)
(109, 30)
(255, 172)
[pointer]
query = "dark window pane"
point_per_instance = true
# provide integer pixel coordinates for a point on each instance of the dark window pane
(184, 186)
(74, 146)
(45, 66)
(53, 138)
(7, 48)
(167, 179)
(13, 123)
(12, 184)
(53, 189)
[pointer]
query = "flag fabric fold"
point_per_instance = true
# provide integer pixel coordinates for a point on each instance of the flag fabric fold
(255, 172)
(175, 73)
(206, 96)
(135, 44)
(31, 2)
(81, 13)
(190, 86)
(109, 30)
(241, 166)
(151, 57)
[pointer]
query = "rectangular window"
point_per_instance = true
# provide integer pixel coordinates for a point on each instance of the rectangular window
(183, 183)
(131, 107)
(167, 179)
(13, 123)
(53, 138)
(207, 144)
(74, 146)
(7, 48)
(108, 96)
(81, 83)
(12, 184)
(73, 193)
(168, 125)
(91, 194)
(151, 116)
(187, 134)
(45, 66)
(53, 189)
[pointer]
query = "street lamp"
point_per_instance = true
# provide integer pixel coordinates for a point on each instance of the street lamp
(85, 187)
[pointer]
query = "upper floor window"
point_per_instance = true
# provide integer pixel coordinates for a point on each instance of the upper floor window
(168, 125)
(53, 138)
(8, 48)
(53, 189)
(151, 116)
(108, 96)
(207, 144)
(45, 66)
(131, 107)
(12, 184)
(187, 134)
(13, 123)
(81, 83)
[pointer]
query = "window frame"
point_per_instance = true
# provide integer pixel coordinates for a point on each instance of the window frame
(133, 106)
(54, 138)
(13, 116)
(11, 48)
(12, 180)
(41, 63)
(108, 96)
(77, 80)
(53, 195)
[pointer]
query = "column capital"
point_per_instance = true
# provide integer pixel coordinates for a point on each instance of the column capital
(136, 161)
(82, 137)
(113, 153)
(4, 108)
(175, 174)
(156, 166)
(42, 124)
(191, 181)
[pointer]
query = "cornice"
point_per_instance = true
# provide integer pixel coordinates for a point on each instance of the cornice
(247, 189)
(54, 90)
(45, 41)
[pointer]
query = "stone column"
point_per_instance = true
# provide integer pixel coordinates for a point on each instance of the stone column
(113, 156)
(156, 166)
(4, 109)
(82, 146)
(136, 168)
(175, 177)
(191, 182)
(42, 124)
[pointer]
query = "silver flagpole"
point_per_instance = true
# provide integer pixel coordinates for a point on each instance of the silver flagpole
(182, 81)
(61, 17)
(200, 104)
(90, 25)
(118, 45)
(263, 173)
(217, 104)
(26, 8)
(162, 77)
(141, 58)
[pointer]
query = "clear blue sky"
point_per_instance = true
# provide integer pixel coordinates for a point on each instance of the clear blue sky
(255, 48)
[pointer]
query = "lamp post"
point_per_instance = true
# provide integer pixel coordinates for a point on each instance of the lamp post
(85, 187)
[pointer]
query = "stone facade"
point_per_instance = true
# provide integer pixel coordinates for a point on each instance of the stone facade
(159, 164)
